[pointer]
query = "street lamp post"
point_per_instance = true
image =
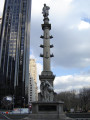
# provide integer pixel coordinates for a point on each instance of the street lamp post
(24, 101)
(13, 102)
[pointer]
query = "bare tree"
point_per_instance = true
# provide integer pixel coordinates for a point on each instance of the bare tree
(85, 99)
(70, 100)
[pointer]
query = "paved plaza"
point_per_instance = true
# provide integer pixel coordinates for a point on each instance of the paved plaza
(76, 116)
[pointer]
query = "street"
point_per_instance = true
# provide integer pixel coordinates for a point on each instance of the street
(4, 117)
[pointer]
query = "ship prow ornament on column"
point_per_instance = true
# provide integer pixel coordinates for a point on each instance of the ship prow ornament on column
(47, 107)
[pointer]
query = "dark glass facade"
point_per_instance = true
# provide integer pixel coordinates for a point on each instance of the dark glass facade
(14, 50)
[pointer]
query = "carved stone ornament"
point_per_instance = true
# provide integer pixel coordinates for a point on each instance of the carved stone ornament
(46, 91)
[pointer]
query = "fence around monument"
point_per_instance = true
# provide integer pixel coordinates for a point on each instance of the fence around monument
(79, 116)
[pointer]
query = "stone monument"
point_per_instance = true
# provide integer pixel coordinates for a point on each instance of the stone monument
(47, 107)
(47, 93)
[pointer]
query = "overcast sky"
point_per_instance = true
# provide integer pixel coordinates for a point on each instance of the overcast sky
(70, 20)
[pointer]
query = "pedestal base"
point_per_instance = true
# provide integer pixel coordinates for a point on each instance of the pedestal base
(47, 111)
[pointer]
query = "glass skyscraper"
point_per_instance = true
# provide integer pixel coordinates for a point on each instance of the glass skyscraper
(14, 49)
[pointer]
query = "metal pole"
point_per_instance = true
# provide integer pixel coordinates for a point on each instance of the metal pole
(13, 102)
(24, 101)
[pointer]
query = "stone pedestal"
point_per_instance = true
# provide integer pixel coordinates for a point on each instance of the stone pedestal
(47, 75)
(47, 107)
(47, 111)
(47, 93)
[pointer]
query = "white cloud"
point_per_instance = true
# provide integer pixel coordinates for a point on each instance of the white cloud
(71, 82)
(1, 6)
(39, 68)
(32, 56)
(83, 25)
(63, 79)
(56, 7)
(37, 7)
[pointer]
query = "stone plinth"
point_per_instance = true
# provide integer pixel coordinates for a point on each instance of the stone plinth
(47, 107)
(47, 111)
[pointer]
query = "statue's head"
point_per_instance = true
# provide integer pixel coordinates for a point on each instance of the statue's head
(44, 5)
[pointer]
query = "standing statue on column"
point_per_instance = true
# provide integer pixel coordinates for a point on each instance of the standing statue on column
(45, 10)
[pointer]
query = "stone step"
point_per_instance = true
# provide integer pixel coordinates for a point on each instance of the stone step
(44, 116)
(47, 117)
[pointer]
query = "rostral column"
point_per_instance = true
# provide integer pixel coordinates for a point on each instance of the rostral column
(46, 77)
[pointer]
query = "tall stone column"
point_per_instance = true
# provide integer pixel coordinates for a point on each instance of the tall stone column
(46, 76)
(46, 45)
